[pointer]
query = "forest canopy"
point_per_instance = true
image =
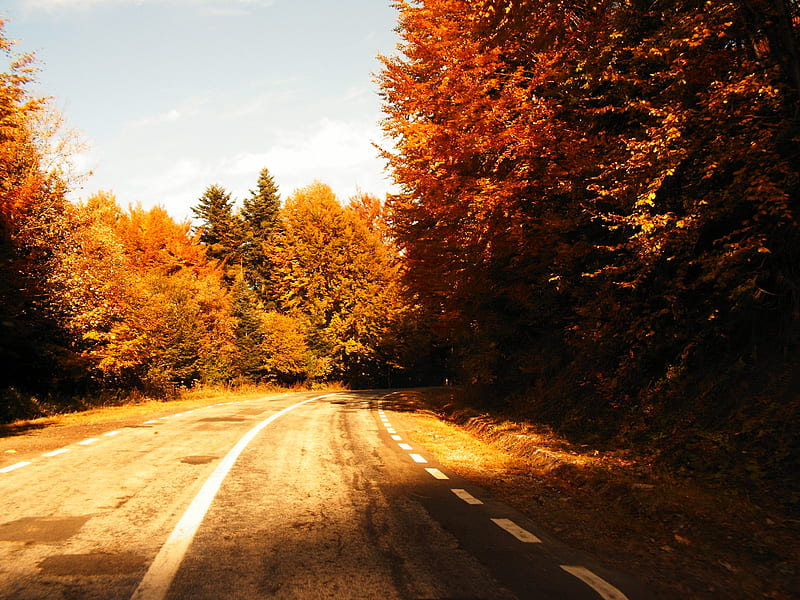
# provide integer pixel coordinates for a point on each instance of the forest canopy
(598, 210)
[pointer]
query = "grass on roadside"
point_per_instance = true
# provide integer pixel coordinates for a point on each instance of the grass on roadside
(137, 405)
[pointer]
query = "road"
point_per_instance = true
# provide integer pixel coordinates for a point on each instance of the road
(297, 496)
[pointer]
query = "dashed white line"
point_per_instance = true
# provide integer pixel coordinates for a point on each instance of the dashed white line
(406, 446)
(418, 458)
(597, 583)
(466, 496)
(88, 441)
(523, 535)
(397, 438)
(56, 452)
(151, 421)
(112, 433)
(390, 430)
(437, 474)
(10, 468)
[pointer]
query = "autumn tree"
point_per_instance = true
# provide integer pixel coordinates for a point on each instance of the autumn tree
(32, 201)
(143, 304)
(598, 201)
(271, 346)
(339, 279)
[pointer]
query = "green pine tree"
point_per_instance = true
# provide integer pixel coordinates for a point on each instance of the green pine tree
(221, 229)
(260, 216)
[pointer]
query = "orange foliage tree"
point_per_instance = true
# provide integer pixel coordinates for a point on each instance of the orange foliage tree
(340, 279)
(144, 304)
(605, 192)
(31, 204)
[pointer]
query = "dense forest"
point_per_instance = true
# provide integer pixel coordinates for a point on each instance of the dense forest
(598, 214)
(100, 301)
(595, 227)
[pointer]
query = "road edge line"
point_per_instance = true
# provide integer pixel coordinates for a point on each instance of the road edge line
(157, 580)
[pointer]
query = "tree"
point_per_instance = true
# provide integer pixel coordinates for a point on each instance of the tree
(31, 206)
(221, 229)
(143, 305)
(604, 192)
(338, 278)
(260, 216)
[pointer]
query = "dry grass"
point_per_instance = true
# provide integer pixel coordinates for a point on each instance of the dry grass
(136, 407)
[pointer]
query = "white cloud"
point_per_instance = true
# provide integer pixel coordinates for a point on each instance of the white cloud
(337, 152)
(340, 153)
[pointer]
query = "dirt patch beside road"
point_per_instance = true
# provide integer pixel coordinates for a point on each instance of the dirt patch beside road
(683, 539)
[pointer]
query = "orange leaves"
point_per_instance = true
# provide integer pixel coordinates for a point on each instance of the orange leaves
(336, 276)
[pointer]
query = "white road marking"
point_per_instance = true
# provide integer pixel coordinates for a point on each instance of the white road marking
(159, 576)
(437, 474)
(150, 421)
(112, 433)
(10, 468)
(88, 441)
(164, 418)
(597, 583)
(523, 535)
(418, 458)
(397, 438)
(466, 496)
(56, 452)
(405, 446)
(390, 430)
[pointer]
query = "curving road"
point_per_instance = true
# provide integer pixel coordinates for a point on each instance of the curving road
(298, 496)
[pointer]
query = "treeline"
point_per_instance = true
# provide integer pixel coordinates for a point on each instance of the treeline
(99, 300)
(599, 213)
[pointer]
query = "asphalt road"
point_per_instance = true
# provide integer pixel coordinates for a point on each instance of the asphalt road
(298, 496)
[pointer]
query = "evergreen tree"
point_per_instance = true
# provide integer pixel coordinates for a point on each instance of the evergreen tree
(260, 216)
(249, 331)
(221, 230)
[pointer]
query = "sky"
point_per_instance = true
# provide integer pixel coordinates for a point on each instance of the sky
(171, 96)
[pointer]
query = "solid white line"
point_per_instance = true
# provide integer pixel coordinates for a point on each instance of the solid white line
(10, 468)
(56, 452)
(405, 446)
(87, 442)
(159, 576)
(523, 535)
(598, 584)
(437, 474)
(466, 496)
(418, 458)
(397, 438)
